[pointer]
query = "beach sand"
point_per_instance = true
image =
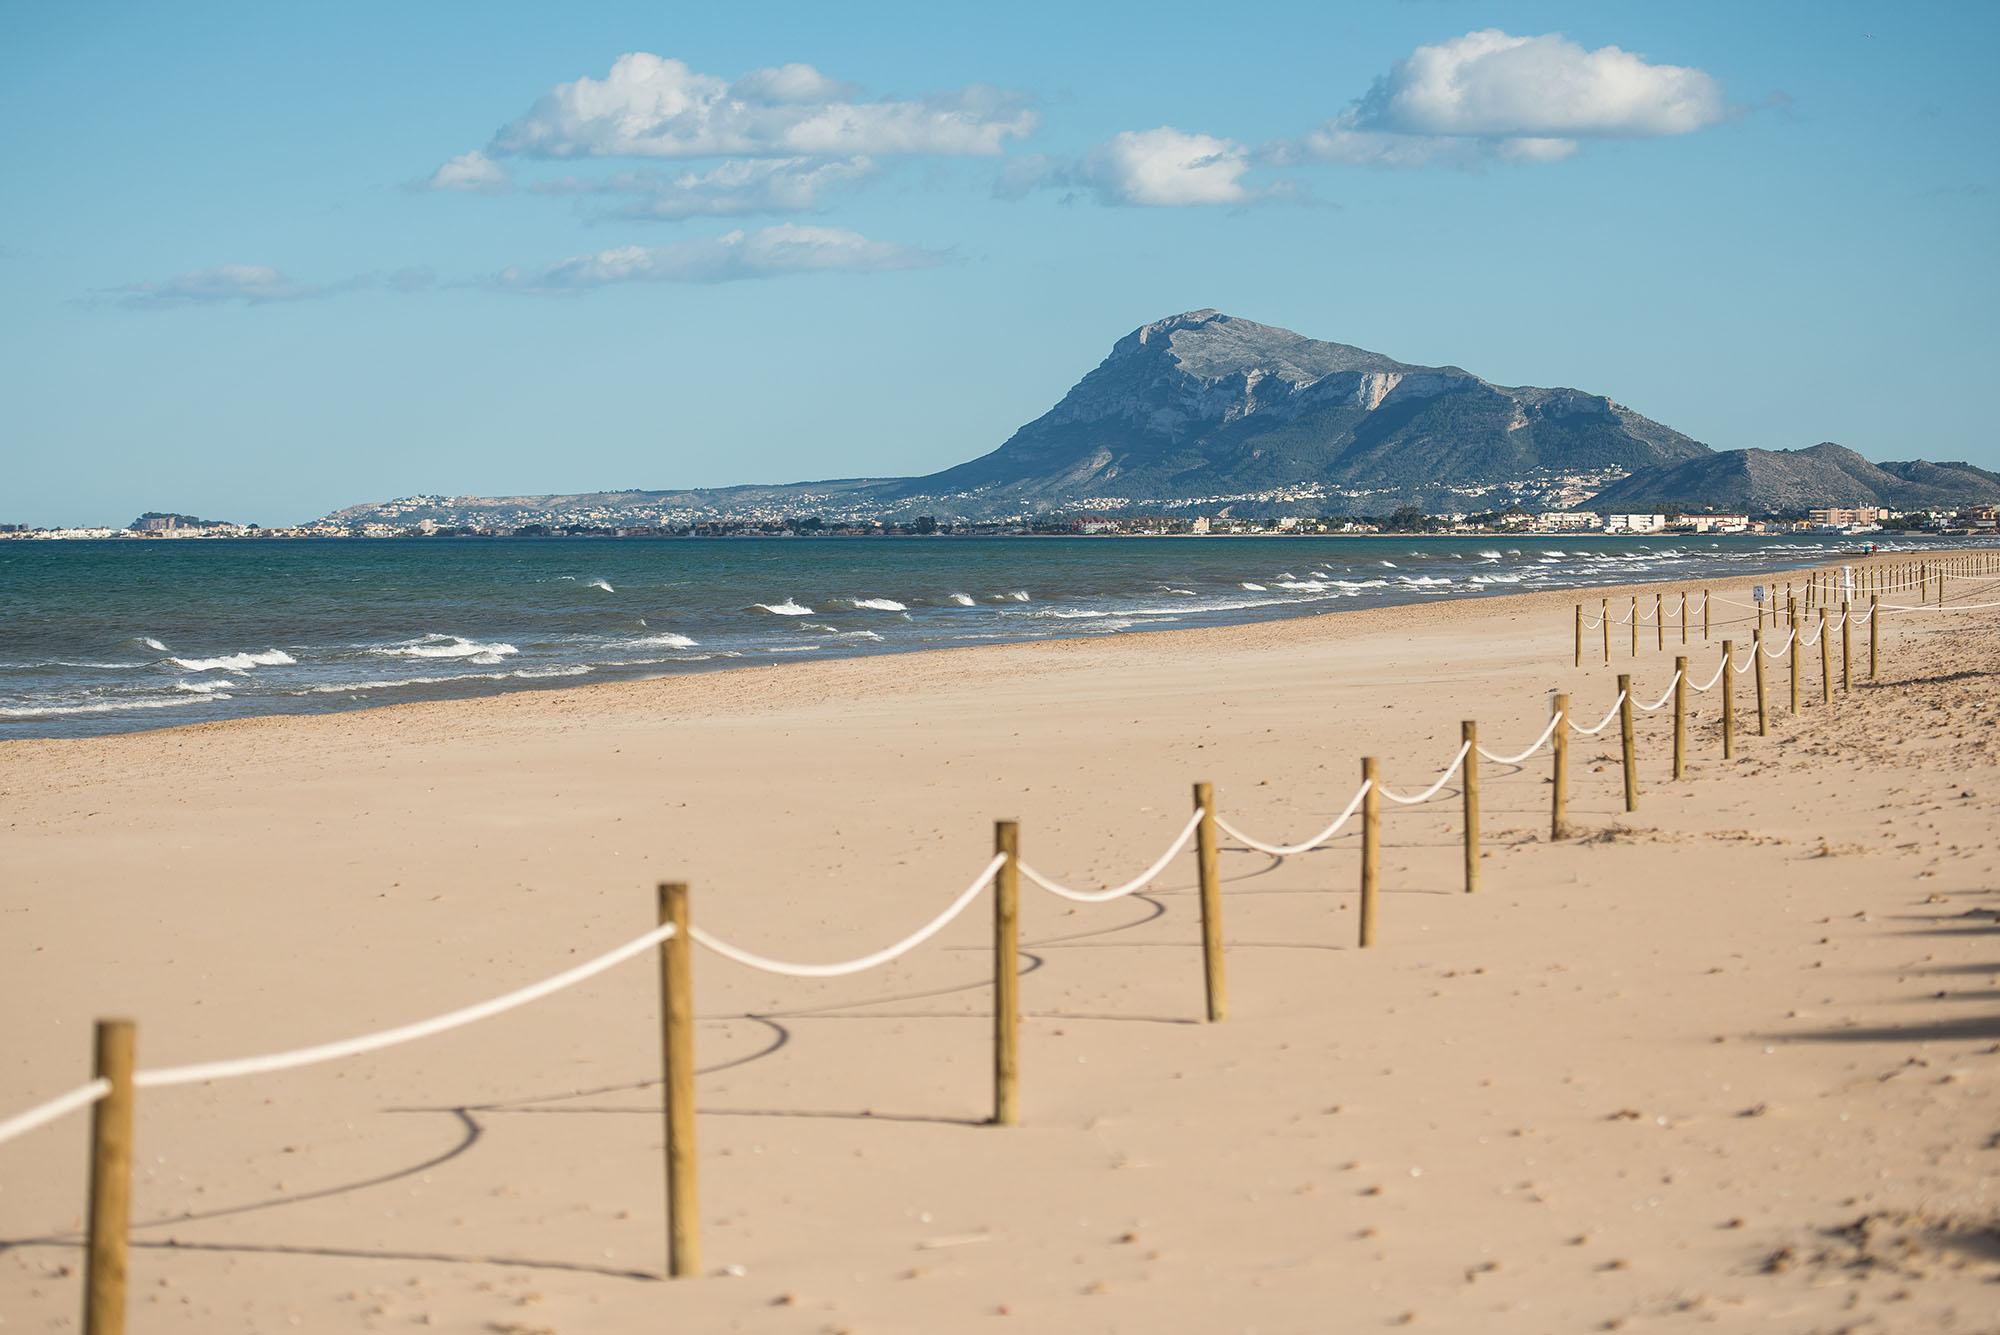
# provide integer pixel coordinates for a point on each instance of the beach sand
(1726, 1062)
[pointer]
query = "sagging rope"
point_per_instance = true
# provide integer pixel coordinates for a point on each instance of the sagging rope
(1606, 722)
(1660, 703)
(1533, 746)
(1432, 791)
(1119, 892)
(865, 962)
(85, 1095)
(1286, 850)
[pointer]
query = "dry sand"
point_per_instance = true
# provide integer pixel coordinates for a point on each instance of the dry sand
(1727, 1062)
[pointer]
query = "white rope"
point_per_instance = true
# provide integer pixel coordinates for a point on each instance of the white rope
(1661, 702)
(1432, 791)
(285, 1061)
(1533, 746)
(1118, 892)
(1928, 607)
(1749, 662)
(1605, 722)
(882, 956)
(60, 1106)
(1783, 645)
(1286, 850)
(1712, 680)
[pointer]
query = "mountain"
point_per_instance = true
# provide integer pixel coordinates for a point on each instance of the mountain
(1203, 412)
(1761, 481)
(1206, 405)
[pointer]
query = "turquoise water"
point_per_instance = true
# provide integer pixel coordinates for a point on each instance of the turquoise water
(120, 635)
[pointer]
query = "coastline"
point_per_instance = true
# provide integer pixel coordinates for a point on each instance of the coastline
(1689, 962)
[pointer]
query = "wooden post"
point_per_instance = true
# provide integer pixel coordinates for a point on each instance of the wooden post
(1825, 661)
(1659, 622)
(1684, 616)
(1763, 697)
(1604, 620)
(677, 1058)
(1704, 614)
(1728, 699)
(1874, 626)
(1371, 847)
(1213, 981)
(1579, 634)
(1006, 976)
(110, 1182)
(1680, 717)
(1846, 647)
(1635, 625)
(1558, 807)
(1468, 732)
(1625, 742)
(1795, 665)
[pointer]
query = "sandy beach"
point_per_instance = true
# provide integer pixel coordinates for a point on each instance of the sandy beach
(1726, 1062)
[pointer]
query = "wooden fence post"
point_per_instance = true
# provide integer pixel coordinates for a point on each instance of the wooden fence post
(1680, 716)
(1825, 661)
(104, 1277)
(1006, 975)
(1371, 848)
(1763, 697)
(1635, 625)
(1684, 616)
(1625, 741)
(1874, 628)
(1468, 732)
(1215, 985)
(677, 1061)
(1604, 620)
(1846, 647)
(1659, 623)
(1579, 634)
(1728, 699)
(1558, 807)
(1704, 614)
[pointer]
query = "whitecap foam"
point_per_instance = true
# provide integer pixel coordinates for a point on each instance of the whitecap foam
(235, 662)
(603, 584)
(103, 707)
(1254, 588)
(448, 646)
(1391, 565)
(787, 608)
(1019, 595)
(963, 599)
(1489, 554)
(152, 644)
(880, 604)
(1423, 581)
(666, 641)
(208, 687)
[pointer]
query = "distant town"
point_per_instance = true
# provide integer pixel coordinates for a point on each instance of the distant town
(1859, 520)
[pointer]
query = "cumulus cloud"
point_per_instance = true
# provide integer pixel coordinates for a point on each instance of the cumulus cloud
(787, 248)
(472, 173)
(650, 106)
(738, 186)
(1490, 94)
(225, 284)
(1159, 168)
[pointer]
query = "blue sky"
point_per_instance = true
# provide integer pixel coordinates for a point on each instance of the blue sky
(257, 262)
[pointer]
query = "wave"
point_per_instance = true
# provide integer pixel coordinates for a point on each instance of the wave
(1489, 554)
(1389, 564)
(206, 687)
(666, 641)
(963, 599)
(1422, 581)
(152, 644)
(235, 662)
(449, 646)
(603, 584)
(103, 707)
(1018, 595)
(1254, 588)
(787, 608)
(880, 604)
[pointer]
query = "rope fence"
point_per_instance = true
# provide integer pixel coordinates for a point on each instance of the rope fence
(109, 1095)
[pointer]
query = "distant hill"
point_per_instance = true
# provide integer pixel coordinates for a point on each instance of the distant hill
(1203, 411)
(1760, 481)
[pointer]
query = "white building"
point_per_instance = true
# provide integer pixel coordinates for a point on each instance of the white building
(1635, 523)
(1568, 519)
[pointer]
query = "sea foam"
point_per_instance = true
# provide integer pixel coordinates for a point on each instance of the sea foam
(235, 662)
(787, 608)
(880, 604)
(449, 646)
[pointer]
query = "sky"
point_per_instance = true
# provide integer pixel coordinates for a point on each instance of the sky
(260, 262)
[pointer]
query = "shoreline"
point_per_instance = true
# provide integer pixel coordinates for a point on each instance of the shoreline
(1750, 966)
(336, 703)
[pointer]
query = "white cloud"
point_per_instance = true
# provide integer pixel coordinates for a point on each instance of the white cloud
(1160, 168)
(1167, 168)
(472, 172)
(787, 248)
(1490, 95)
(248, 284)
(653, 106)
(738, 186)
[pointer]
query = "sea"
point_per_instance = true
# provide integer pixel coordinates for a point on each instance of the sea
(120, 635)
